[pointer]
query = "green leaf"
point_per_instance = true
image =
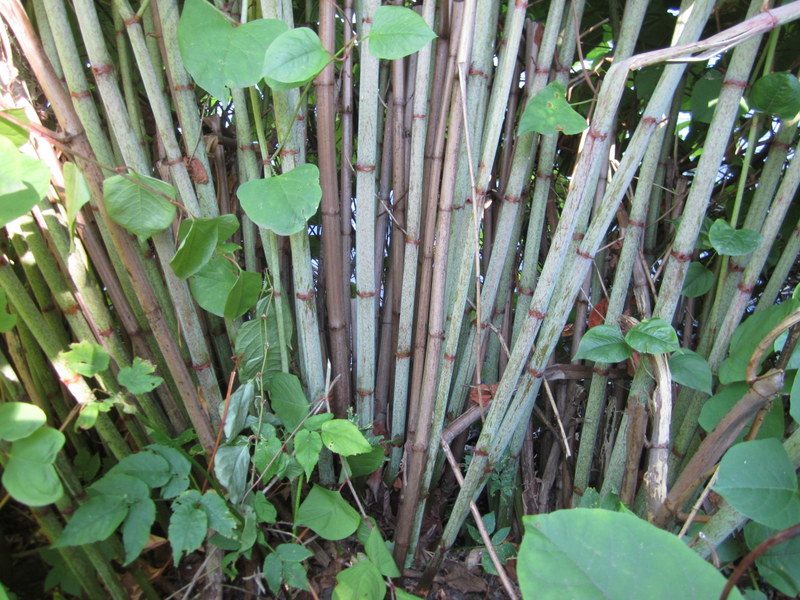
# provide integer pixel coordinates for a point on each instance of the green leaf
(287, 399)
(403, 595)
(179, 470)
(136, 528)
(748, 335)
(716, 407)
(139, 203)
(603, 343)
(212, 284)
(138, 378)
(776, 94)
(235, 58)
(778, 565)
(238, 409)
(397, 32)
(23, 181)
(86, 358)
(732, 242)
(220, 517)
(293, 552)
(653, 336)
(187, 528)
(231, 465)
(258, 343)
(296, 55)
(794, 398)
(273, 572)
(76, 193)
(595, 553)
(19, 420)
(295, 575)
(14, 133)
(243, 295)
(127, 487)
(268, 457)
(705, 95)
(307, 446)
(265, 511)
(29, 476)
(342, 437)
(94, 520)
(314, 422)
(758, 479)
(698, 281)
(198, 241)
(285, 202)
(327, 514)
(149, 467)
(366, 463)
(691, 370)
(362, 581)
(7, 320)
(548, 112)
(377, 552)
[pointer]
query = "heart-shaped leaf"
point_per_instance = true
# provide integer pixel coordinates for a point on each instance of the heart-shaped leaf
(342, 437)
(698, 280)
(19, 420)
(732, 242)
(76, 192)
(327, 514)
(296, 55)
(220, 55)
(603, 343)
(549, 112)
(243, 295)
(653, 336)
(23, 181)
(198, 241)
(139, 203)
(16, 134)
(777, 94)
(397, 32)
(29, 475)
(285, 202)
(691, 370)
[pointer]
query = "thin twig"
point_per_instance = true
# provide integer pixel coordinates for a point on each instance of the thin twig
(549, 394)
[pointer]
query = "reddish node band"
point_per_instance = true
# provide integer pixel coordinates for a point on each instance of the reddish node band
(583, 254)
(449, 357)
(201, 367)
(102, 69)
(542, 70)
(536, 314)
(276, 293)
(680, 256)
(172, 163)
(71, 380)
(735, 267)
(650, 120)
(640, 224)
(246, 147)
(578, 236)
(745, 289)
(480, 452)
(285, 152)
(735, 83)
(402, 354)
(71, 309)
(601, 372)
(132, 21)
(676, 453)
(79, 95)
(548, 175)
(183, 88)
(512, 199)
(413, 241)
(534, 373)
(439, 335)
(525, 291)
(367, 294)
(478, 72)
(597, 135)
(364, 168)
(364, 393)
(366, 20)
(419, 116)
(304, 297)
(780, 145)
(107, 333)
(48, 308)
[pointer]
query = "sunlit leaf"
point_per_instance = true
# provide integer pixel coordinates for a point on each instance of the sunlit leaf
(776, 94)
(603, 343)
(396, 32)
(653, 336)
(139, 204)
(548, 112)
(327, 514)
(296, 55)
(23, 181)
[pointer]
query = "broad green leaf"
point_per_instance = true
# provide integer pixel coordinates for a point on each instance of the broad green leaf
(243, 295)
(403, 595)
(7, 320)
(732, 242)
(231, 465)
(238, 409)
(691, 370)
(198, 241)
(653, 336)
(219, 514)
(296, 55)
(778, 565)
(59, 575)
(758, 479)
(258, 343)
(721, 403)
(293, 552)
(76, 193)
(19, 420)
(14, 133)
(283, 203)
(33, 484)
(379, 554)
(705, 95)
(138, 378)
(327, 514)
(307, 446)
(776, 94)
(548, 112)
(585, 554)
(136, 528)
(268, 458)
(603, 343)
(179, 470)
(748, 335)
(127, 487)
(23, 181)
(794, 360)
(249, 531)
(94, 520)
(149, 467)
(362, 581)
(86, 358)
(273, 572)
(264, 509)
(314, 422)
(698, 280)
(342, 437)
(287, 399)
(295, 575)
(366, 463)
(212, 284)
(794, 398)
(40, 447)
(397, 32)
(187, 528)
(227, 225)
(235, 58)
(139, 203)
